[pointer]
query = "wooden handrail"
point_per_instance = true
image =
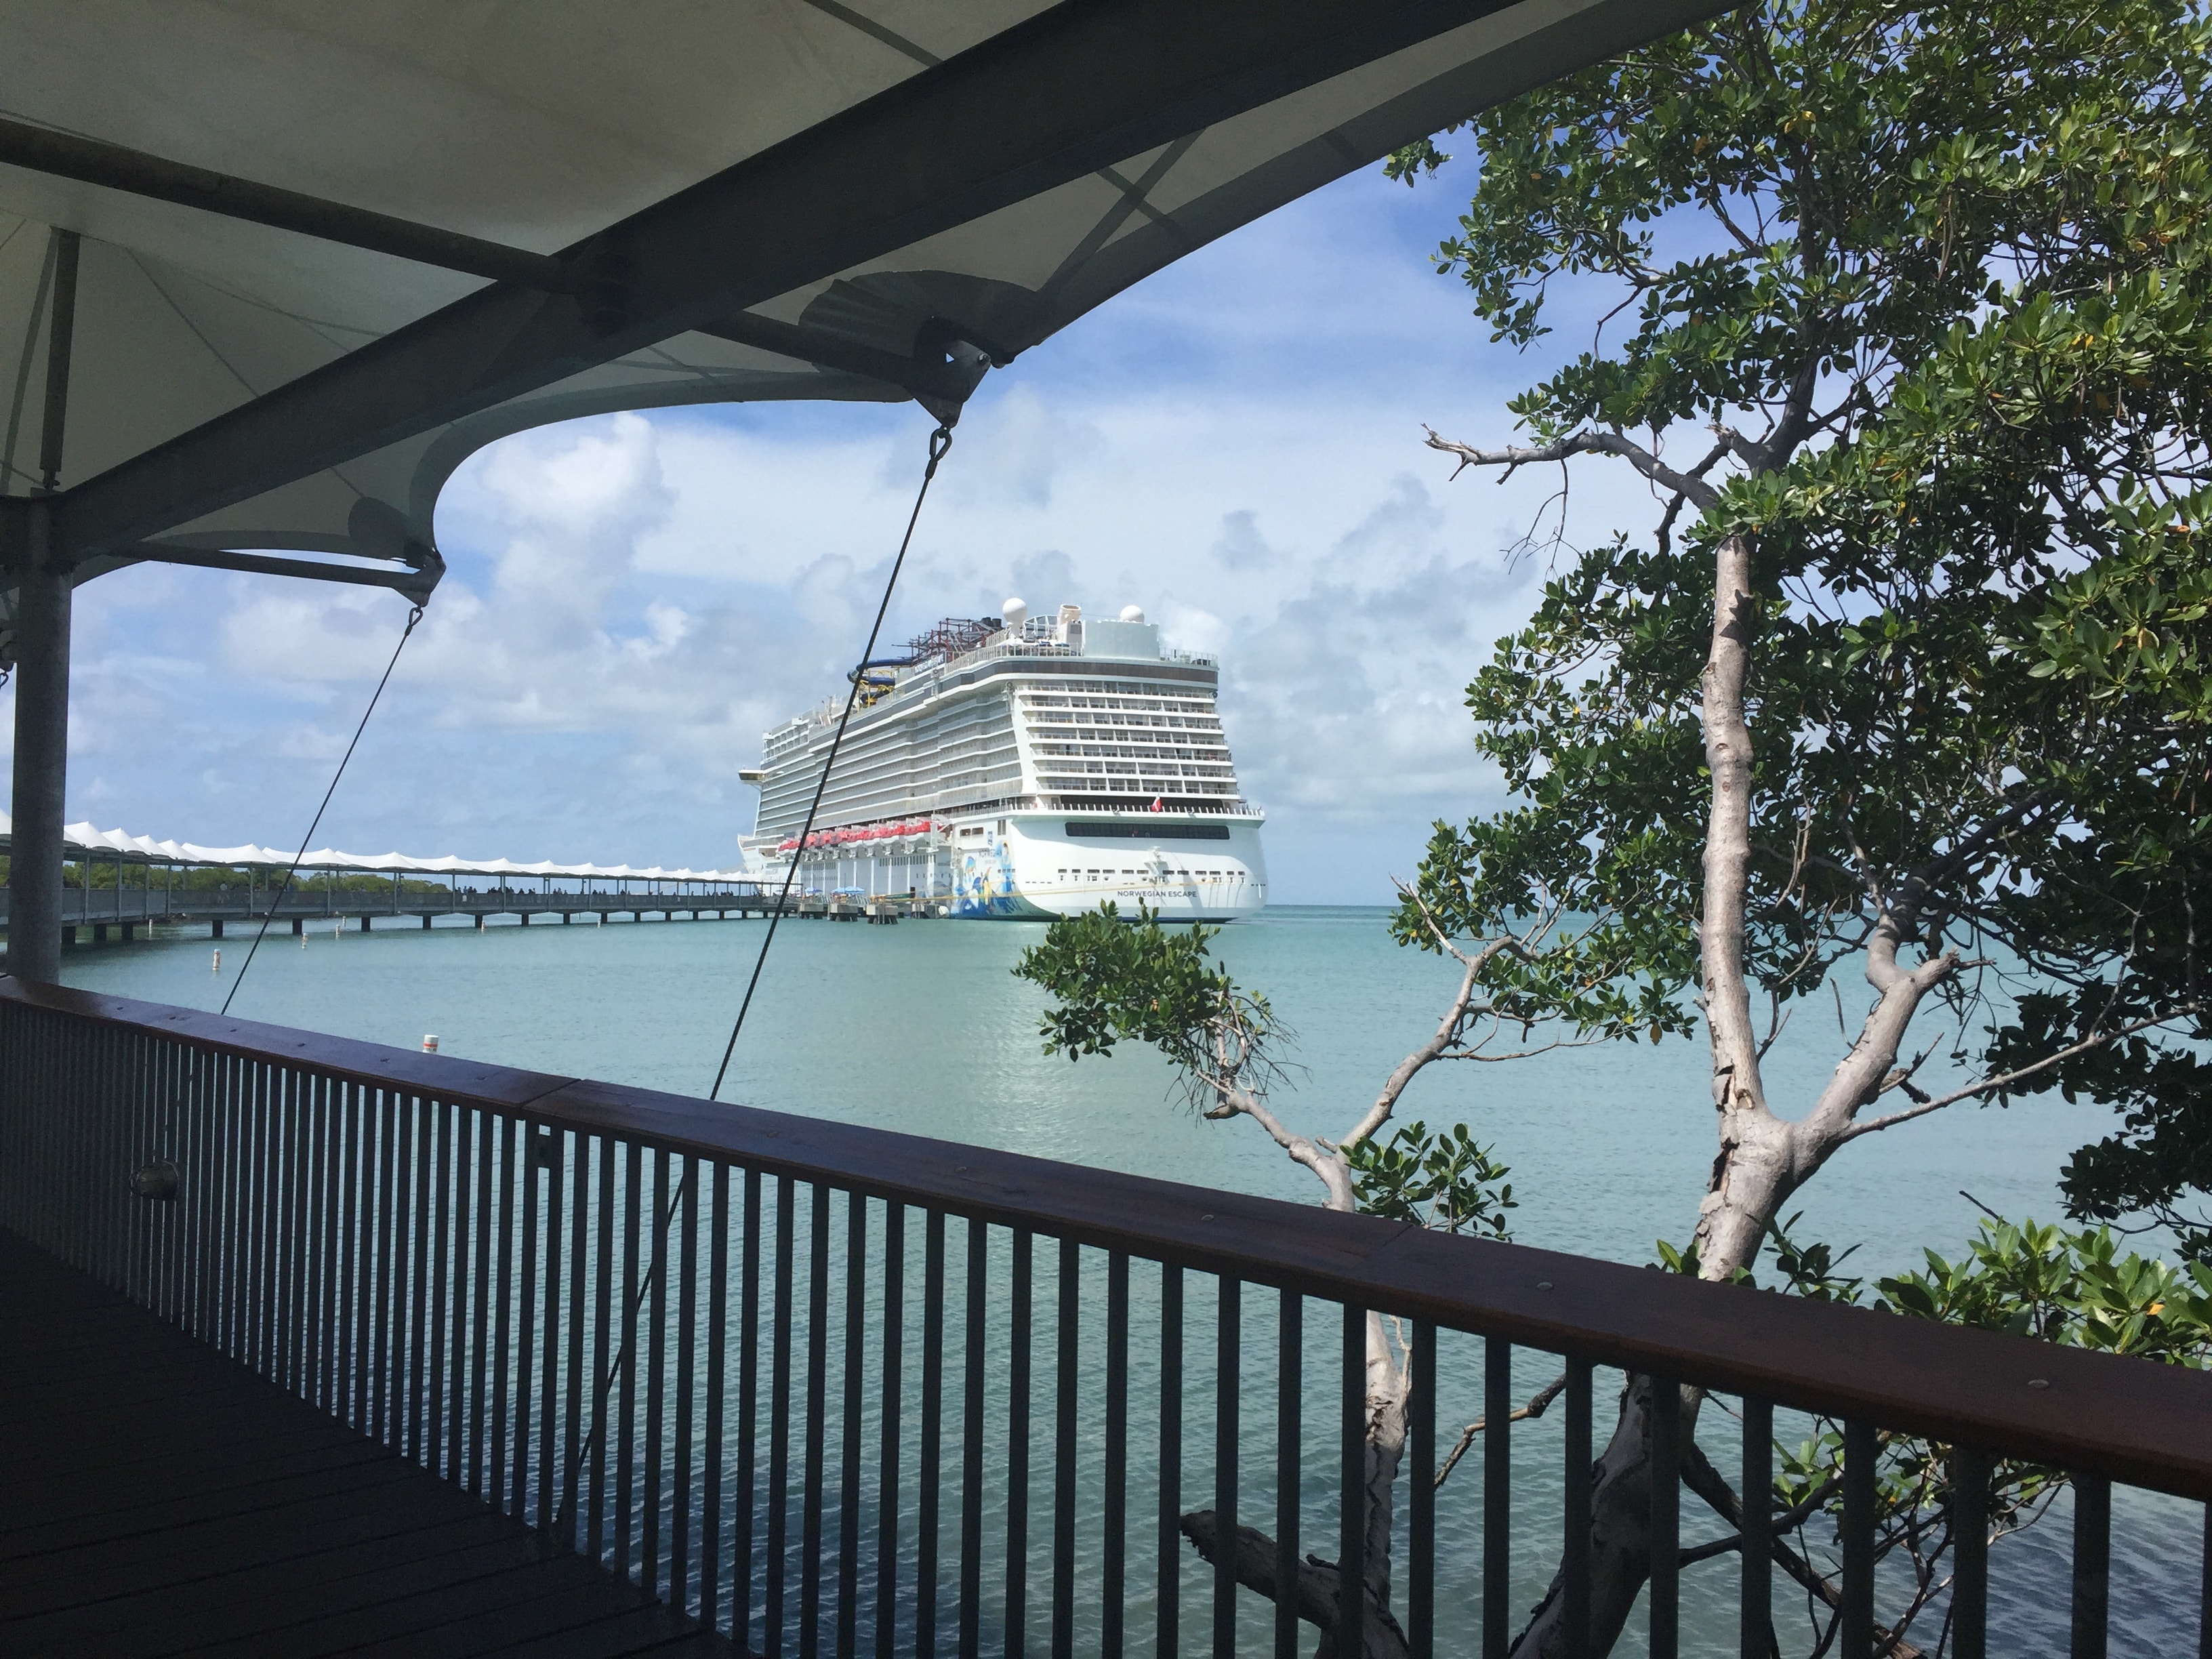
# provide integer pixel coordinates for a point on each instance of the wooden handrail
(2132, 1420)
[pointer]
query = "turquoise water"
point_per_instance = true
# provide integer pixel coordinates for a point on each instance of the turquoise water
(922, 1027)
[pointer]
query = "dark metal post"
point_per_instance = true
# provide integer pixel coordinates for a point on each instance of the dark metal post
(2093, 1565)
(42, 666)
(1666, 1515)
(1757, 1615)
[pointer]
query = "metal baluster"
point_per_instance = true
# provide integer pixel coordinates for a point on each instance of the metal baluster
(894, 1403)
(778, 1424)
(466, 1220)
(625, 1454)
(1666, 1515)
(971, 1445)
(1167, 1634)
(2093, 1565)
(1855, 1635)
(441, 1231)
(687, 1330)
(718, 1345)
(382, 1340)
(258, 1300)
(1017, 1450)
(1757, 1623)
(1497, 1496)
(328, 1187)
(581, 1267)
(1115, 1520)
(602, 1340)
(741, 1568)
(418, 1313)
(1228, 1329)
(933, 1436)
(353, 1237)
(656, 1358)
(503, 1316)
(1290, 1432)
(393, 1355)
(525, 1342)
(848, 1471)
(1421, 1498)
(1574, 1557)
(480, 1356)
(552, 1142)
(294, 1314)
(1970, 1545)
(2205, 1594)
(817, 1388)
(1352, 1550)
(1065, 1376)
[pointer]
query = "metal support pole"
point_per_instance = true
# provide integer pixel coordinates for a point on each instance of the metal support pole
(42, 766)
(43, 598)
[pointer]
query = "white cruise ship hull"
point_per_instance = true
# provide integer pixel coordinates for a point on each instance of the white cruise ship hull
(1036, 865)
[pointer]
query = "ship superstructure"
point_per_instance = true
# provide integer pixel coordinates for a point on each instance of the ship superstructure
(1022, 766)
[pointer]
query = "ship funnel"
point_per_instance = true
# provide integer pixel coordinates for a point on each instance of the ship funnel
(1016, 613)
(1132, 613)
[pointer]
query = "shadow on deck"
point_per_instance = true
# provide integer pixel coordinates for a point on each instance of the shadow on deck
(157, 1498)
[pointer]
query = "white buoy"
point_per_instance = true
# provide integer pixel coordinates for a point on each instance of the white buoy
(215, 967)
(430, 1045)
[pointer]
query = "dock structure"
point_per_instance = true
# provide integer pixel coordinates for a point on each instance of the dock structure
(100, 915)
(139, 891)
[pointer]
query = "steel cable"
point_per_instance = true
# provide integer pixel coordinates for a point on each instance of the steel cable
(414, 616)
(940, 441)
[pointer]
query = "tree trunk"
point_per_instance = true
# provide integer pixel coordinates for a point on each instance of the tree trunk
(1317, 1587)
(1758, 1165)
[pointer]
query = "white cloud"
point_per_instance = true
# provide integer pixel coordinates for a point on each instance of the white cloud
(1235, 446)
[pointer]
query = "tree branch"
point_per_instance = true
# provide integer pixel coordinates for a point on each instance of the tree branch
(1700, 493)
(1537, 1404)
(1449, 1030)
(2007, 1078)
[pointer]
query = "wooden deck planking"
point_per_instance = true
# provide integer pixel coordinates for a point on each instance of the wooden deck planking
(158, 1499)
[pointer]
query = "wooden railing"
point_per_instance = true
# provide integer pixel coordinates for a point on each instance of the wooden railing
(784, 1372)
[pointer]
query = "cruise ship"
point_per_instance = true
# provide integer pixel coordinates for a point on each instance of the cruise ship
(1025, 767)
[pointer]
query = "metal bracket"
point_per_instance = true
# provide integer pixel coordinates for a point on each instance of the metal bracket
(415, 582)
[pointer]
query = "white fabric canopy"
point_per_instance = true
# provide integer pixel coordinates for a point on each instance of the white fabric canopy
(538, 127)
(85, 838)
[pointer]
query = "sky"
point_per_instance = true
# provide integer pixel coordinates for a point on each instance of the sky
(1235, 445)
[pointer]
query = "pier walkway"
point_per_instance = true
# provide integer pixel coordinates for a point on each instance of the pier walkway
(96, 915)
(157, 1498)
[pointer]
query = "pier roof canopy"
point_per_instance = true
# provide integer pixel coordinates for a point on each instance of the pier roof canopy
(327, 250)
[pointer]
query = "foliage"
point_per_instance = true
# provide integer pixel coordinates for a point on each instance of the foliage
(1113, 981)
(1442, 1181)
(1916, 298)
(2074, 1287)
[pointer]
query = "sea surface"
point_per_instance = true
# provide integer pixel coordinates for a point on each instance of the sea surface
(923, 1027)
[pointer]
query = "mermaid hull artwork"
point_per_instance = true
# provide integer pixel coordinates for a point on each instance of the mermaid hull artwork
(1034, 867)
(1019, 770)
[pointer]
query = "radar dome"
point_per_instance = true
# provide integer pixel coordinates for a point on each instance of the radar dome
(1132, 613)
(1016, 612)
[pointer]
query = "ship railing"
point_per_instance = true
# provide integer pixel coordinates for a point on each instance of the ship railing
(831, 1387)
